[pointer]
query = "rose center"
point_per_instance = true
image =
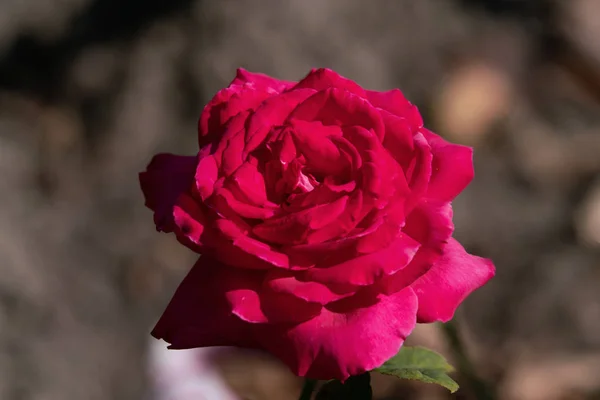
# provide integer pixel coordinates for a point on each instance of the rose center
(296, 179)
(304, 183)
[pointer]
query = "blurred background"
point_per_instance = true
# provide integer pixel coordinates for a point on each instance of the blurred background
(91, 89)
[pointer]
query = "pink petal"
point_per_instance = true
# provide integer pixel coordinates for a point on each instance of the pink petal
(165, 178)
(323, 78)
(261, 80)
(452, 168)
(349, 150)
(225, 199)
(327, 192)
(282, 281)
(339, 107)
(367, 269)
(287, 151)
(345, 341)
(389, 223)
(398, 138)
(343, 223)
(206, 175)
(226, 104)
(190, 222)
(292, 228)
(248, 185)
(229, 154)
(451, 279)
(237, 249)
(431, 225)
(252, 302)
(272, 113)
(418, 173)
(394, 102)
(199, 314)
(313, 140)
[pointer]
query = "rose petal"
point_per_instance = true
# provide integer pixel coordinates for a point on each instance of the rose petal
(281, 281)
(226, 104)
(224, 198)
(261, 80)
(165, 178)
(190, 222)
(418, 172)
(345, 342)
(349, 150)
(323, 78)
(367, 269)
(394, 102)
(206, 175)
(252, 302)
(452, 168)
(248, 185)
(272, 113)
(342, 224)
(237, 249)
(199, 315)
(229, 154)
(293, 228)
(398, 138)
(312, 139)
(327, 192)
(451, 279)
(389, 223)
(431, 225)
(339, 107)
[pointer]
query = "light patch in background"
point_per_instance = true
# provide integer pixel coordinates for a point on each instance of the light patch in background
(185, 374)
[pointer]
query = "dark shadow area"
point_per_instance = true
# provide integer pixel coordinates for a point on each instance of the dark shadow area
(36, 67)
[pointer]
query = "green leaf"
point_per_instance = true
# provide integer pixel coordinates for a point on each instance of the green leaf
(355, 388)
(420, 364)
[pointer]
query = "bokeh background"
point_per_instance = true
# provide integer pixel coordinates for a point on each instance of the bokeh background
(90, 89)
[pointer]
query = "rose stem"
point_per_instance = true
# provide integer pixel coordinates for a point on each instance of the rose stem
(307, 389)
(480, 388)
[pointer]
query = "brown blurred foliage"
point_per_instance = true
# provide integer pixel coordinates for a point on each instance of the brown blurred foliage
(90, 89)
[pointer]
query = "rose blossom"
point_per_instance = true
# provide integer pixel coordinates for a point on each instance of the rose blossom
(323, 215)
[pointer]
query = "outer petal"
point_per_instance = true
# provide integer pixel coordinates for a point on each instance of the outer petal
(206, 175)
(199, 314)
(394, 102)
(226, 104)
(190, 222)
(323, 78)
(451, 279)
(418, 173)
(165, 178)
(431, 225)
(261, 81)
(452, 167)
(398, 138)
(347, 340)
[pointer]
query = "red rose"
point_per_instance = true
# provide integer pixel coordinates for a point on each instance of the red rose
(322, 213)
